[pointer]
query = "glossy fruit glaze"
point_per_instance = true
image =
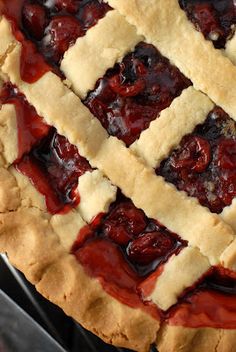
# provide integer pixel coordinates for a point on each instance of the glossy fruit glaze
(122, 248)
(204, 165)
(214, 18)
(30, 125)
(48, 159)
(49, 27)
(212, 302)
(54, 167)
(133, 93)
(127, 252)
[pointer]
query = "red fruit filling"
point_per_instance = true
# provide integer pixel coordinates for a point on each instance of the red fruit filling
(103, 259)
(124, 223)
(135, 248)
(122, 248)
(133, 93)
(49, 27)
(54, 166)
(204, 165)
(30, 125)
(48, 159)
(143, 242)
(211, 303)
(149, 246)
(215, 19)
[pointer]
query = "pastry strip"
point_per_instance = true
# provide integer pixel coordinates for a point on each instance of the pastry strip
(179, 213)
(178, 273)
(174, 122)
(93, 54)
(191, 53)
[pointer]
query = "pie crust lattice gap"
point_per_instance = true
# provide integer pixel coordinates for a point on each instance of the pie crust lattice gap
(211, 240)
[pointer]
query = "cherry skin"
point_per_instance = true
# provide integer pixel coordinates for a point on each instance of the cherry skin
(205, 162)
(149, 246)
(215, 19)
(124, 223)
(134, 92)
(61, 32)
(34, 19)
(71, 6)
(207, 20)
(126, 90)
(91, 12)
(227, 154)
(54, 166)
(195, 155)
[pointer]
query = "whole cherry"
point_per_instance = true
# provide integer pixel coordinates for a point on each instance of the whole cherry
(124, 223)
(195, 154)
(34, 19)
(149, 246)
(61, 32)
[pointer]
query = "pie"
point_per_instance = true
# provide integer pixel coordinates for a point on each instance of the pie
(118, 165)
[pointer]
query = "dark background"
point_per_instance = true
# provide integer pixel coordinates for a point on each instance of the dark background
(62, 328)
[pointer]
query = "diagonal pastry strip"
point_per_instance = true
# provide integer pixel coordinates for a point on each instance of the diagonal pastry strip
(65, 269)
(46, 263)
(100, 44)
(196, 58)
(63, 109)
(164, 134)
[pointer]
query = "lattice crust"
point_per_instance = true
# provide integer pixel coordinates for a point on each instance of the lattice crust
(163, 135)
(48, 238)
(98, 42)
(110, 156)
(230, 49)
(173, 286)
(8, 135)
(155, 22)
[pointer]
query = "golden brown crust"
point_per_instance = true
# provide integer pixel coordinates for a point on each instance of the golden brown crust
(64, 109)
(6, 37)
(85, 300)
(230, 49)
(96, 194)
(9, 192)
(35, 241)
(100, 44)
(178, 212)
(165, 133)
(178, 273)
(58, 105)
(8, 135)
(33, 247)
(158, 25)
(180, 339)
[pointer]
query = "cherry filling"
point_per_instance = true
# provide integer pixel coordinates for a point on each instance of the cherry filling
(122, 248)
(30, 125)
(204, 165)
(133, 93)
(49, 26)
(214, 18)
(54, 166)
(48, 159)
(212, 302)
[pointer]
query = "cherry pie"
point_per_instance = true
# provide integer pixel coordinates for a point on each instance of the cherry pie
(118, 165)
